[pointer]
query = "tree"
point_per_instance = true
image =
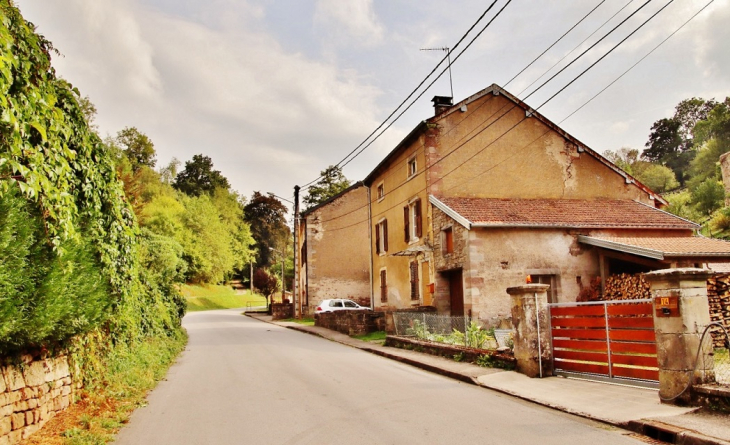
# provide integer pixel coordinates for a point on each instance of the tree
(265, 215)
(671, 141)
(659, 178)
(708, 196)
(265, 283)
(332, 183)
(137, 147)
(198, 177)
(624, 158)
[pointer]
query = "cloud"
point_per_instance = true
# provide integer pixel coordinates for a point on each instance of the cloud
(100, 30)
(350, 22)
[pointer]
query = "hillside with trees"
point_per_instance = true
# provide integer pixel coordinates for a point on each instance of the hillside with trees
(681, 160)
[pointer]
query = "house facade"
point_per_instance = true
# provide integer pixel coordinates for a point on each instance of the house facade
(332, 262)
(488, 192)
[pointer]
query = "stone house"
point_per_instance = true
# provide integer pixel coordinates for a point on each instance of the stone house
(488, 191)
(332, 262)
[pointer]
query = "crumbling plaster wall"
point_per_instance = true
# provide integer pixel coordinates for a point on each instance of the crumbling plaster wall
(503, 155)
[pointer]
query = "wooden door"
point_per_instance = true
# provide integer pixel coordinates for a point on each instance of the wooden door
(456, 293)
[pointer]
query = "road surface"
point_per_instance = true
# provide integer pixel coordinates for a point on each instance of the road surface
(243, 381)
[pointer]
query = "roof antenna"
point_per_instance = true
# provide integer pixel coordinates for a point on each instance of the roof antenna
(448, 56)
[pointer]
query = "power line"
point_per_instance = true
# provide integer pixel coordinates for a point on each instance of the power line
(412, 92)
(525, 118)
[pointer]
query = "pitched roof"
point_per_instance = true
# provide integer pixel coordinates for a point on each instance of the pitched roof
(563, 213)
(495, 89)
(663, 247)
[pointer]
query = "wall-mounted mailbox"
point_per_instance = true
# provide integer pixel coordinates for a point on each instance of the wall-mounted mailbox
(666, 306)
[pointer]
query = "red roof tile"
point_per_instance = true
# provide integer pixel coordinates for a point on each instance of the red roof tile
(685, 246)
(573, 213)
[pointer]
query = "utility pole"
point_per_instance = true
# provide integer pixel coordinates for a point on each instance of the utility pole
(296, 298)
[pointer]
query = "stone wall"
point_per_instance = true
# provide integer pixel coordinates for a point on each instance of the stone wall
(31, 393)
(282, 311)
(351, 322)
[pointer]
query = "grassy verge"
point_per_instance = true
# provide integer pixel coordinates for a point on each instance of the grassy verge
(105, 406)
(377, 336)
(205, 298)
(304, 321)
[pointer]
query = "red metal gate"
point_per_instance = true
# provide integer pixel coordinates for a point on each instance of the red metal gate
(607, 340)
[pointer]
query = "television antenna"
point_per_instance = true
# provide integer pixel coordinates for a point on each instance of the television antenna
(448, 57)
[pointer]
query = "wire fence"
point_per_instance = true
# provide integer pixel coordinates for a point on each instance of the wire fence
(460, 331)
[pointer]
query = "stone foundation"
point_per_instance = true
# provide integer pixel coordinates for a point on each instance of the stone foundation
(282, 311)
(30, 394)
(351, 322)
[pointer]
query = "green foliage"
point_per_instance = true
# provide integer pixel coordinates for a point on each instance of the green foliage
(265, 215)
(137, 148)
(658, 178)
(474, 337)
(332, 182)
(199, 178)
(77, 262)
(708, 196)
(680, 204)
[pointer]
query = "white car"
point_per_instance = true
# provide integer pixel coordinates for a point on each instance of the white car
(339, 304)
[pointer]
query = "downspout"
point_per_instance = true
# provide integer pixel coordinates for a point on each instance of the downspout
(370, 247)
(539, 343)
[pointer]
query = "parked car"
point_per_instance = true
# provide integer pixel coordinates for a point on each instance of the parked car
(339, 304)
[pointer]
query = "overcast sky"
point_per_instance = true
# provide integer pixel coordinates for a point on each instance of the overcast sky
(274, 91)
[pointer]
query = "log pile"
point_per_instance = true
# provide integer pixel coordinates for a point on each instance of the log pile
(626, 287)
(718, 295)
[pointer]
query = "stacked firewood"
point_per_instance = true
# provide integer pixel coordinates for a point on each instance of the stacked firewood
(626, 287)
(718, 294)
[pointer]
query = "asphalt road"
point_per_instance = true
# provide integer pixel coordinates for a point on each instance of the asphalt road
(243, 381)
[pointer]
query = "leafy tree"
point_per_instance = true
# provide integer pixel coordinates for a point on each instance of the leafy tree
(708, 196)
(267, 284)
(706, 165)
(671, 140)
(715, 126)
(137, 147)
(332, 183)
(624, 158)
(198, 177)
(658, 178)
(265, 215)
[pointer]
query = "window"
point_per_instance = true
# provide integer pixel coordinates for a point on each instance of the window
(552, 280)
(414, 280)
(381, 237)
(412, 221)
(350, 304)
(412, 167)
(335, 303)
(381, 191)
(383, 286)
(447, 236)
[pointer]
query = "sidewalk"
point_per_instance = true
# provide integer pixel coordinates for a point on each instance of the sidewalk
(631, 408)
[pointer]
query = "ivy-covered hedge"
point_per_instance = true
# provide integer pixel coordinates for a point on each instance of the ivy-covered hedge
(69, 242)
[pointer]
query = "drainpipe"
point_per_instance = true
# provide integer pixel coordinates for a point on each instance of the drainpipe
(537, 322)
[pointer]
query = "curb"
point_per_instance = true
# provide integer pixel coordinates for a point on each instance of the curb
(672, 434)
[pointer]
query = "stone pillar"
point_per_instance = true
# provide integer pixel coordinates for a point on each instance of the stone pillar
(530, 318)
(678, 336)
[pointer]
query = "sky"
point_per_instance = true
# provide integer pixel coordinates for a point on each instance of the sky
(274, 91)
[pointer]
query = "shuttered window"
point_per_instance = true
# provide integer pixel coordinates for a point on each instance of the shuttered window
(383, 287)
(414, 280)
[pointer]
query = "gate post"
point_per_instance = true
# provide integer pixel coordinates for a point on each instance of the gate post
(681, 314)
(530, 318)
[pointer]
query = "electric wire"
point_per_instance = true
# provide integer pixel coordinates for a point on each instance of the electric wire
(339, 164)
(525, 118)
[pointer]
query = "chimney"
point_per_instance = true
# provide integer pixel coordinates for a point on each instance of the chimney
(442, 103)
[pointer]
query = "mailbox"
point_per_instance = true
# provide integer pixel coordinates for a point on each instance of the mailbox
(666, 306)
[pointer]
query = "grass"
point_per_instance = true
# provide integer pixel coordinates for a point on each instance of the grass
(303, 321)
(103, 407)
(377, 336)
(209, 297)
